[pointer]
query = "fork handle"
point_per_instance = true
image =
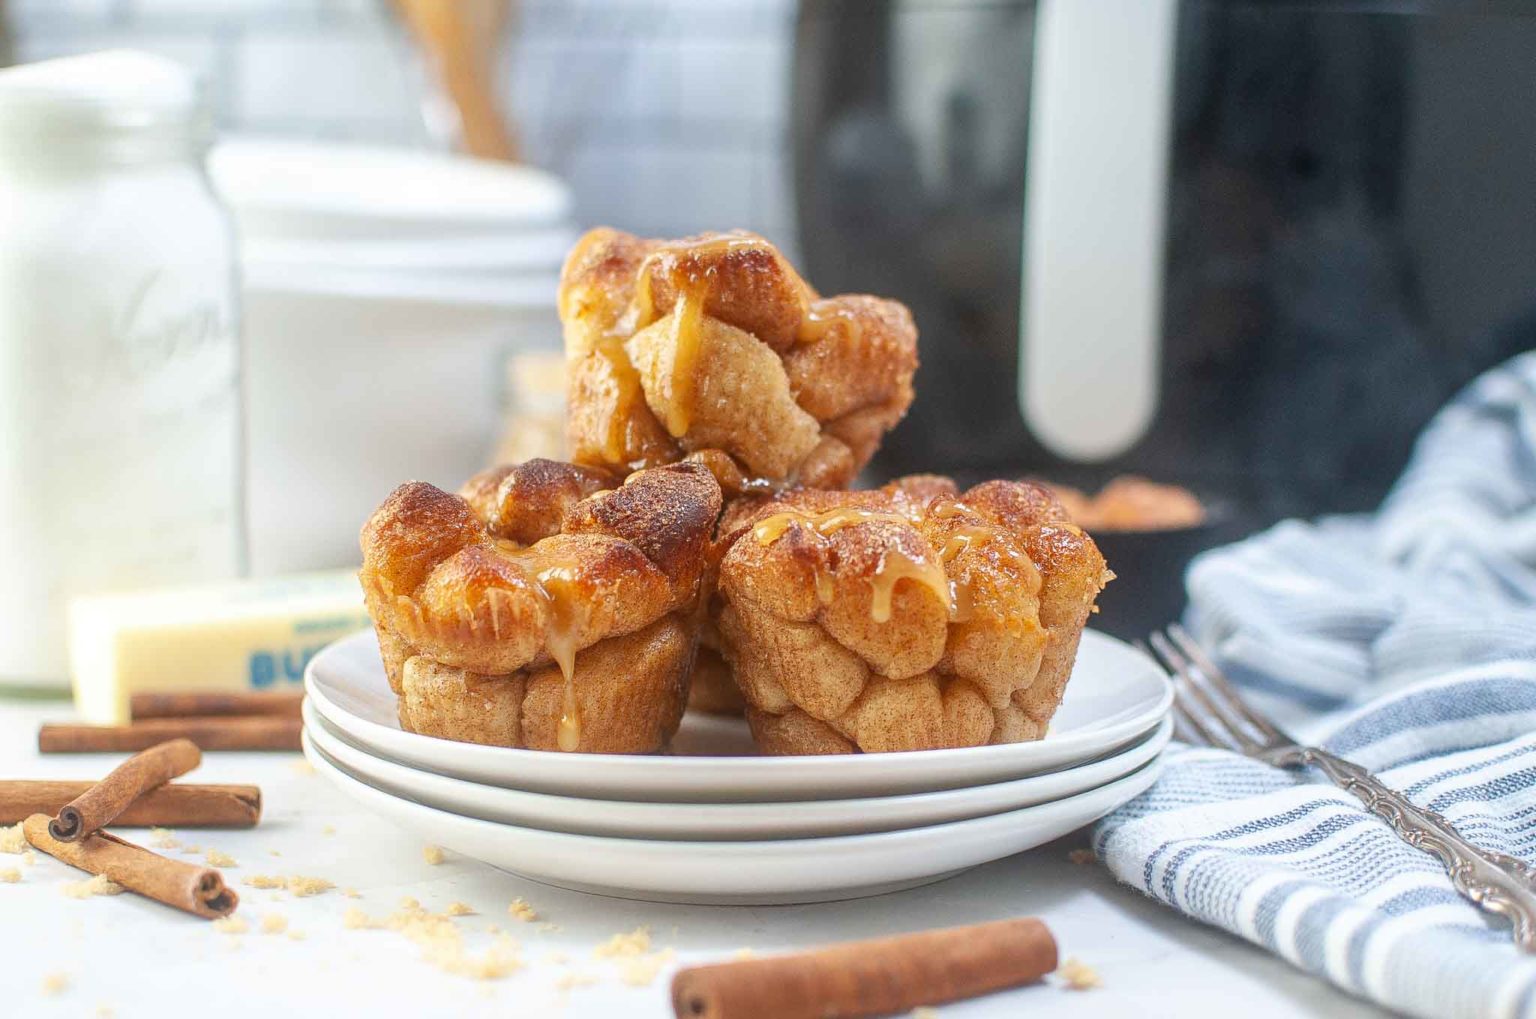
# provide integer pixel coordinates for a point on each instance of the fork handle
(1495, 882)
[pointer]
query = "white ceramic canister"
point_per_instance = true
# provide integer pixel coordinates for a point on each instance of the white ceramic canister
(120, 434)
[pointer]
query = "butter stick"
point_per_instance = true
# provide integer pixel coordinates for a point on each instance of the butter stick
(254, 635)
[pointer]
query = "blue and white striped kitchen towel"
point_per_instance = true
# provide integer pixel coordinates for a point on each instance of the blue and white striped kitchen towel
(1405, 641)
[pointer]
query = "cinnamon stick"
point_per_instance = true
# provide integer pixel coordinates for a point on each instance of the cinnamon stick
(187, 886)
(208, 703)
(99, 805)
(176, 805)
(269, 732)
(870, 978)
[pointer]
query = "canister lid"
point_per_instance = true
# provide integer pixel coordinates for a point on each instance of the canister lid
(111, 91)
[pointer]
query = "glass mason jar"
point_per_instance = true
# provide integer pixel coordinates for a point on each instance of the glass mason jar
(120, 427)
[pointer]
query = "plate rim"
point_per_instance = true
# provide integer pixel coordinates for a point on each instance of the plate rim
(860, 765)
(755, 848)
(1153, 746)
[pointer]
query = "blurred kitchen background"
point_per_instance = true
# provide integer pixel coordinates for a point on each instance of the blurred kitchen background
(1243, 248)
(663, 116)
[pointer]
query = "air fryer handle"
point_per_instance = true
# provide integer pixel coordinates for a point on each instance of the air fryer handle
(1095, 199)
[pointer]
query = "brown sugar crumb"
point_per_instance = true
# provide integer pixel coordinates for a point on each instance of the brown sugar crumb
(55, 983)
(1078, 977)
(274, 923)
(636, 942)
(351, 893)
(29, 857)
(641, 970)
(98, 885)
(13, 839)
(355, 919)
(216, 858)
(303, 887)
(522, 911)
(163, 838)
(570, 981)
(433, 855)
(10, 875)
(191, 850)
(441, 942)
(231, 925)
(459, 909)
(1081, 857)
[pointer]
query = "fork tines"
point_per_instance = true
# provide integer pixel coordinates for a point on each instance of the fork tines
(1207, 708)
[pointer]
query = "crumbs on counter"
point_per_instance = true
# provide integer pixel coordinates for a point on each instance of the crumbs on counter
(13, 839)
(296, 935)
(191, 850)
(98, 885)
(274, 923)
(216, 858)
(1076, 976)
(925, 1012)
(10, 875)
(571, 981)
(635, 942)
(301, 886)
(433, 855)
(441, 941)
(55, 983)
(522, 911)
(351, 893)
(744, 953)
(460, 909)
(329, 829)
(231, 925)
(163, 838)
(641, 970)
(301, 766)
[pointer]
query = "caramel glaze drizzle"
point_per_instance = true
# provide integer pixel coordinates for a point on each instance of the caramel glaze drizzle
(895, 565)
(552, 585)
(692, 283)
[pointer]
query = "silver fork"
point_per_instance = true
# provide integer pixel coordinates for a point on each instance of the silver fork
(1208, 710)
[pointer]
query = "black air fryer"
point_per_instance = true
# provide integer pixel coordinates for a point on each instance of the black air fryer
(1248, 248)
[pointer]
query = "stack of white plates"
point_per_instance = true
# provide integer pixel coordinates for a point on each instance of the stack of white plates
(383, 291)
(713, 822)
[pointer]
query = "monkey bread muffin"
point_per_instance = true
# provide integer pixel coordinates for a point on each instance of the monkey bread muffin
(546, 606)
(716, 343)
(907, 618)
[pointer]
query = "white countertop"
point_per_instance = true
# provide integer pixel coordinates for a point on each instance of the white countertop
(129, 957)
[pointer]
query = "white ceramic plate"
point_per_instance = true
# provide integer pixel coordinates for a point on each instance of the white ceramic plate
(792, 870)
(723, 821)
(1116, 694)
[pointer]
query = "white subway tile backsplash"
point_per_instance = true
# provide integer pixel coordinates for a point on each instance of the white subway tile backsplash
(665, 116)
(324, 75)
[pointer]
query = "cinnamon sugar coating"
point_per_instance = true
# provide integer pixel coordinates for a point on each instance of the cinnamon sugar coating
(912, 617)
(715, 343)
(477, 596)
